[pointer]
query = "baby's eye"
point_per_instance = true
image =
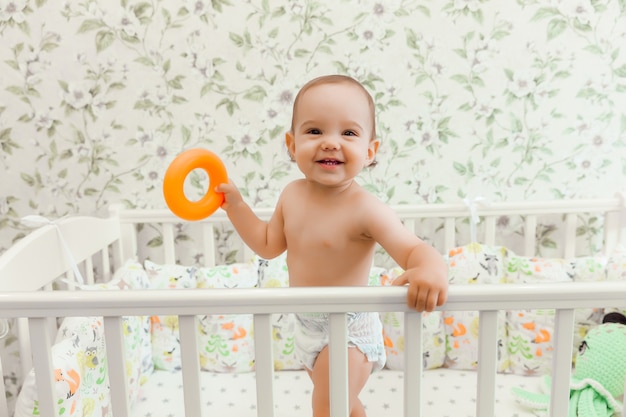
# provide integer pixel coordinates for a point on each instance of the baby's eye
(349, 133)
(313, 131)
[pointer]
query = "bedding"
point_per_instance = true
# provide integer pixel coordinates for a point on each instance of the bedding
(226, 346)
(447, 393)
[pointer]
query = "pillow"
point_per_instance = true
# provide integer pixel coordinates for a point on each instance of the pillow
(226, 342)
(378, 277)
(164, 329)
(587, 268)
(473, 264)
(616, 265)
(532, 270)
(170, 276)
(132, 276)
(433, 334)
(80, 371)
(523, 325)
(87, 334)
(239, 275)
(272, 273)
(68, 383)
(530, 332)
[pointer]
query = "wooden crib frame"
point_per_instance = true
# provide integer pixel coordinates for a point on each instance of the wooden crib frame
(92, 240)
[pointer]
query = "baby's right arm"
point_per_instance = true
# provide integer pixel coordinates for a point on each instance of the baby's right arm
(266, 239)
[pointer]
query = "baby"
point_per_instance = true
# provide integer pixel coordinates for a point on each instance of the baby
(330, 226)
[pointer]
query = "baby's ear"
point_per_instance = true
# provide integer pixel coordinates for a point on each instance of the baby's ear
(372, 149)
(290, 143)
(614, 317)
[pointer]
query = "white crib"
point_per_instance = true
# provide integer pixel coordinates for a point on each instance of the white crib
(103, 244)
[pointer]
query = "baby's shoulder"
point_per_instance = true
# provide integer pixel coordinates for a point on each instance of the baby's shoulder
(294, 187)
(370, 208)
(293, 191)
(363, 197)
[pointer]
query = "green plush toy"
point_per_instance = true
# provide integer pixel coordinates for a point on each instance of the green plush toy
(598, 378)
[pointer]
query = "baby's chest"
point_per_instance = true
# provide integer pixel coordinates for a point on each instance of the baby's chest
(333, 232)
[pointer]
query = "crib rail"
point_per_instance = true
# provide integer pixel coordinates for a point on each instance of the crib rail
(38, 307)
(611, 210)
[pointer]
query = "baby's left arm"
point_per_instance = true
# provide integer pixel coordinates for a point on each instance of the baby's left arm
(427, 277)
(425, 270)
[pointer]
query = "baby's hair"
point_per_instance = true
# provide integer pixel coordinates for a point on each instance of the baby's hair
(336, 79)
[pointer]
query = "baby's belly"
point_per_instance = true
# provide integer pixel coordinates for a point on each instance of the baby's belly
(321, 267)
(323, 278)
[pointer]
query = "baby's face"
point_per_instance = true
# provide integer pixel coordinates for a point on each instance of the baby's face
(332, 138)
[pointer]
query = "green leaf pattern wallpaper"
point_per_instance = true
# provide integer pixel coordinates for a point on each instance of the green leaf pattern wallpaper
(502, 99)
(508, 100)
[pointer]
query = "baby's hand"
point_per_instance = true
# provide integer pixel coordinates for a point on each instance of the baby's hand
(428, 287)
(232, 196)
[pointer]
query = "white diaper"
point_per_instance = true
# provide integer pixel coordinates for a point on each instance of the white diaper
(365, 332)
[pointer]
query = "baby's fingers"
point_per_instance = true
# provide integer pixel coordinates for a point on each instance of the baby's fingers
(224, 187)
(425, 299)
(416, 297)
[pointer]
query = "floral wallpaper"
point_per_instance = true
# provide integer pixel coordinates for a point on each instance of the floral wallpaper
(503, 99)
(509, 100)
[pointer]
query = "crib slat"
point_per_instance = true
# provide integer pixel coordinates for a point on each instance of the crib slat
(208, 242)
(127, 247)
(42, 361)
(487, 363)
(190, 360)
(23, 340)
(611, 233)
(265, 367)
(530, 233)
(490, 230)
(106, 265)
(570, 235)
(449, 233)
(69, 277)
(169, 252)
(413, 364)
(114, 340)
(561, 362)
(338, 363)
(89, 270)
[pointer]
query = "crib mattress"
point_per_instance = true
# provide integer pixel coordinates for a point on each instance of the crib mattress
(447, 393)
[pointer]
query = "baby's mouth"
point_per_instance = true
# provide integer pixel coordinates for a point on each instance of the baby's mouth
(329, 162)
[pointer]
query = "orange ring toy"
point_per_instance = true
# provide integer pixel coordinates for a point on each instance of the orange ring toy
(174, 180)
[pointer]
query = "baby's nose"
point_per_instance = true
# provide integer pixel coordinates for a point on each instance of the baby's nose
(330, 143)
